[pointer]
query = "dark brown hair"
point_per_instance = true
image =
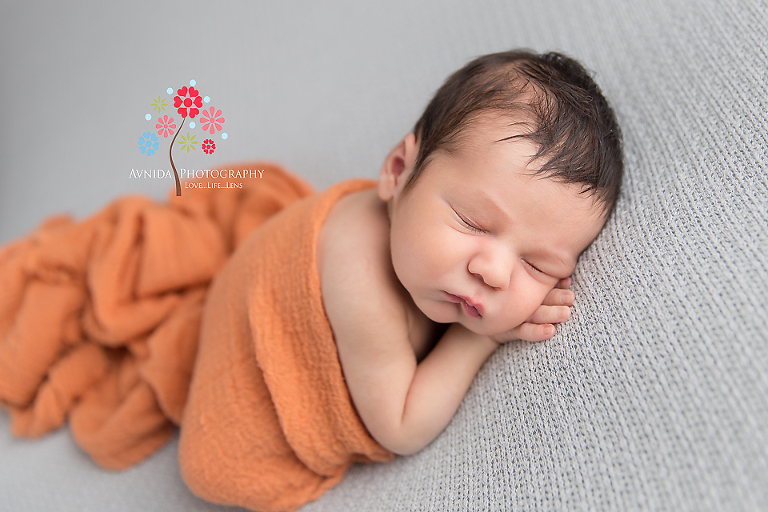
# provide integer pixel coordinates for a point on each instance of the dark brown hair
(573, 126)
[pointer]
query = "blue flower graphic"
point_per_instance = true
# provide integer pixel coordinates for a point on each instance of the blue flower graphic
(148, 143)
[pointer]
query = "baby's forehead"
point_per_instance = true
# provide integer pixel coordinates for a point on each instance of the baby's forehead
(489, 127)
(521, 163)
(511, 195)
(498, 134)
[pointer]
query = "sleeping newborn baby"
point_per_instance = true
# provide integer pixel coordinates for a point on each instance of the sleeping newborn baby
(349, 326)
(346, 326)
(469, 239)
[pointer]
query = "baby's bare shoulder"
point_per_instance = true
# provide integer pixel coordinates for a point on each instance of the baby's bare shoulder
(353, 255)
(360, 290)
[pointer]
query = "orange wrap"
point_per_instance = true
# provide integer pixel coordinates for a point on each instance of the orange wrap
(100, 322)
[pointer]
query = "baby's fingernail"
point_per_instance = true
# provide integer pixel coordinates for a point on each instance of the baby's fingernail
(549, 330)
(567, 298)
(565, 313)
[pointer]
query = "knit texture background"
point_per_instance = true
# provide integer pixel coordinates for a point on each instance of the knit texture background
(654, 396)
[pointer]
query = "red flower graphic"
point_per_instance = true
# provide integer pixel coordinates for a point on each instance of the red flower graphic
(165, 125)
(211, 121)
(187, 102)
(208, 146)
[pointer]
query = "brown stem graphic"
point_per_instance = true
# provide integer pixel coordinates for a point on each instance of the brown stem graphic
(170, 155)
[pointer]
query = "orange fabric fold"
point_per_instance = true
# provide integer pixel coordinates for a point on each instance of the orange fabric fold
(100, 323)
(269, 423)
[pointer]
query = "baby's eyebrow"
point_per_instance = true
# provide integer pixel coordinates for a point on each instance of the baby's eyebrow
(488, 200)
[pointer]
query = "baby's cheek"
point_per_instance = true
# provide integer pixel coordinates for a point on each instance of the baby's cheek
(512, 314)
(531, 307)
(534, 299)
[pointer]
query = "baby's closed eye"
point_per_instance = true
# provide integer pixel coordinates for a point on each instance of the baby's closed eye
(471, 225)
(534, 267)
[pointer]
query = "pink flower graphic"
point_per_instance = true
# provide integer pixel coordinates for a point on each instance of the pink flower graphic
(210, 121)
(208, 146)
(187, 102)
(165, 126)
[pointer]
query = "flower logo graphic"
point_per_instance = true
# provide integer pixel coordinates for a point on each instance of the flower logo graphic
(184, 102)
(188, 103)
(148, 143)
(188, 142)
(165, 125)
(159, 104)
(211, 121)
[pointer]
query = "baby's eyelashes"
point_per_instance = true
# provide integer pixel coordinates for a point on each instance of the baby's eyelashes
(468, 223)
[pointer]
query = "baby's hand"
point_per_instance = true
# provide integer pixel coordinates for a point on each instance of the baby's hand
(540, 325)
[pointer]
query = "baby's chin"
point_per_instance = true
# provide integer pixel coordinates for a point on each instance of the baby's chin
(484, 330)
(442, 312)
(450, 312)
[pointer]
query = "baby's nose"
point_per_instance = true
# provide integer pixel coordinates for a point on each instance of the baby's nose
(494, 270)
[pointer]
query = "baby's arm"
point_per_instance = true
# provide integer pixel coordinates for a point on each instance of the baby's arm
(429, 394)
(437, 385)
(405, 404)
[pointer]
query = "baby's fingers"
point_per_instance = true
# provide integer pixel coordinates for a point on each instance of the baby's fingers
(535, 332)
(550, 315)
(528, 331)
(559, 297)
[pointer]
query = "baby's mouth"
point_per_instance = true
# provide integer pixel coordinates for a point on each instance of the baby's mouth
(471, 310)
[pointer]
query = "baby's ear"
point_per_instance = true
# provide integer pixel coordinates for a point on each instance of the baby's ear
(397, 166)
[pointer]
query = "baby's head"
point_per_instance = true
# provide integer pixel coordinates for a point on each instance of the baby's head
(509, 174)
